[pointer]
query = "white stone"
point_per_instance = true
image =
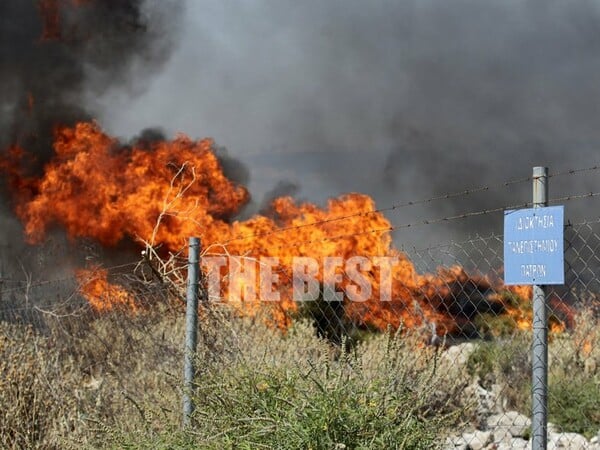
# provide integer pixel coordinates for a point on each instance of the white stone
(552, 428)
(571, 441)
(458, 355)
(477, 440)
(513, 444)
(501, 435)
(513, 422)
(485, 402)
(455, 443)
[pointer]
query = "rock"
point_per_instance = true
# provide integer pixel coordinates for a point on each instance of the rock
(501, 435)
(514, 423)
(571, 441)
(477, 440)
(458, 355)
(552, 428)
(513, 444)
(455, 443)
(485, 402)
(501, 401)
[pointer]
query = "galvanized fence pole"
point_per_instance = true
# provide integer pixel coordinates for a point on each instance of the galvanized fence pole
(539, 392)
(191, 329)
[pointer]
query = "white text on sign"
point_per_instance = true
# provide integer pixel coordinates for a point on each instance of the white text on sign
(533, 246)
(535, 222)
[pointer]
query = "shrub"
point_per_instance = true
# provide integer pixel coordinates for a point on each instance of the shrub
(67, 387)
(573, 373)
(574, 377)
(384, 393)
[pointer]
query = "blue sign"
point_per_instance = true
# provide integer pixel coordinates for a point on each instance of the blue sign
(533, 246)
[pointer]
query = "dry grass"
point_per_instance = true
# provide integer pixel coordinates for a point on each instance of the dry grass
(104, 382)
(68, 386)
(114, 381)
(36, 407)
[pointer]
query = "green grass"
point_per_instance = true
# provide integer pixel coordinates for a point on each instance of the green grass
(384, 393)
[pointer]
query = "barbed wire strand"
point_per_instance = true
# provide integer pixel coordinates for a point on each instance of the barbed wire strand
(487, 237)
(392, 207)
(29, 284)
(438, 220)
(33, 284)
(573, 171)
(574, 197)
(399, 205)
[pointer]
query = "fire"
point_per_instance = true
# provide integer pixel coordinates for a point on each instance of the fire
(102, 295)
(522, 313)
(94, 189)
(525, 292)
(163, 192)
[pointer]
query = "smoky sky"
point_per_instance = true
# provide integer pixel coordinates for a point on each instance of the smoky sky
(101, 43)
(48, 70)
(401, 100)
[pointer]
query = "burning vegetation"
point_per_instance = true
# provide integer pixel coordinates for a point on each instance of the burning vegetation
(161, 193)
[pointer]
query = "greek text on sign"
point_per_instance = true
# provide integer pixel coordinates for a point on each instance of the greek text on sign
(533, 246)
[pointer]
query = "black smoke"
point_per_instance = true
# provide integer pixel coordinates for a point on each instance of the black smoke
(46, 78)
(281, 189)
(56, 56)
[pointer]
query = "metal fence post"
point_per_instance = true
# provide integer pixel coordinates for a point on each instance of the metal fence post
(191, 329)
(539, 392)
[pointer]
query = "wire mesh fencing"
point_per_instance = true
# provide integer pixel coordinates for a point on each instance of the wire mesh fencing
(495, 329)
(444, 362)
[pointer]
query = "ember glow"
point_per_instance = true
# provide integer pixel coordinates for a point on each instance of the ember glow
(163, 192)
(102, 295)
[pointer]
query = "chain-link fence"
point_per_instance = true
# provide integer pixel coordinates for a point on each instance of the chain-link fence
(445, 362)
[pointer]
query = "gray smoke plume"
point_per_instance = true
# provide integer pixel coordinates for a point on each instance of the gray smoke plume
(401, 100)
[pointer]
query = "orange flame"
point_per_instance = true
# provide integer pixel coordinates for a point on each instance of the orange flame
(102, 295)
(163, 192)
(521, 312)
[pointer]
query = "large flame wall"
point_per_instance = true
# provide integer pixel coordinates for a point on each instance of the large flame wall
(162, 193)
